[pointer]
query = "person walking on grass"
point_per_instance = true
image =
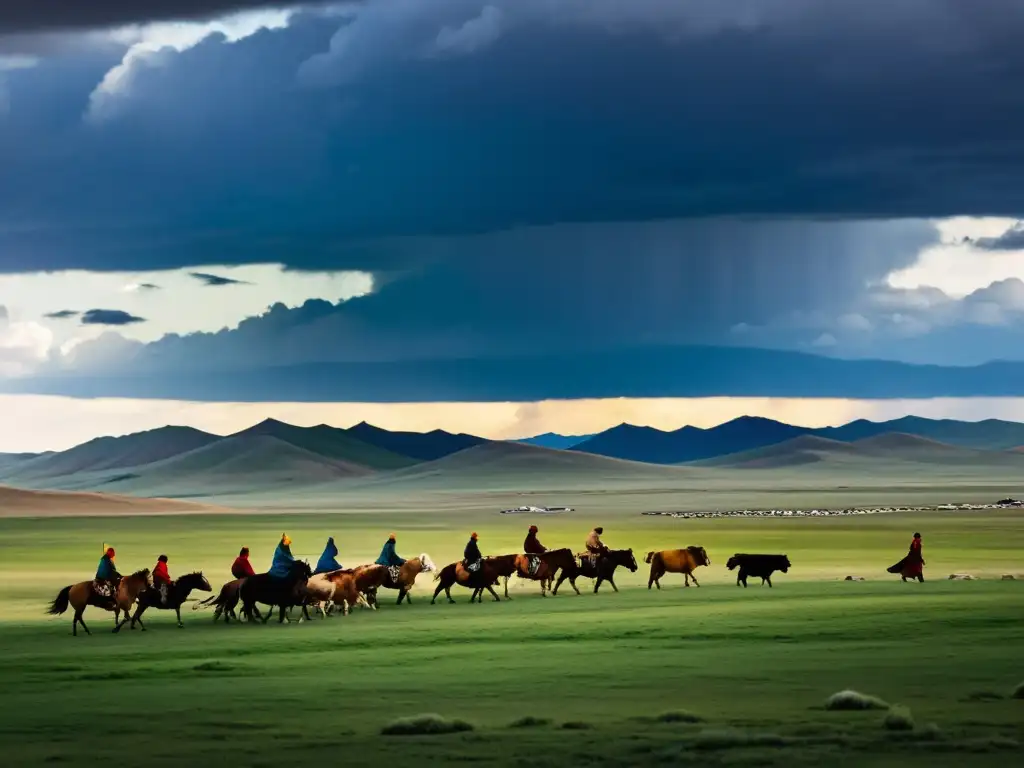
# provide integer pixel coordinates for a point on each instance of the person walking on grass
(911, 566)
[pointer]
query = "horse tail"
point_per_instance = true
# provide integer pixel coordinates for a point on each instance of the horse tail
(60, 604)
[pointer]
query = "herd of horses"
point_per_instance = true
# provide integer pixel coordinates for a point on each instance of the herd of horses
(351, 587)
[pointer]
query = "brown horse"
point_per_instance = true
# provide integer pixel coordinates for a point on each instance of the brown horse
(81, 595)
(347, 587)
(492, 569)
(226, 601)
(406, 574)
(684, 561)
(603, 569)
(547, 567)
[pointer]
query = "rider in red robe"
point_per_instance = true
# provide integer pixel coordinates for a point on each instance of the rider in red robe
(242, 568)
(162, 578)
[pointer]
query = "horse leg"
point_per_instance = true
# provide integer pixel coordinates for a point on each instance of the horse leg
(437, 592)
(506, 589)
(694, 579)
(401, 595)
(78, 615)
(611, 580)
(491, 590)
(177, 611)
(597, 584)
(768, 578)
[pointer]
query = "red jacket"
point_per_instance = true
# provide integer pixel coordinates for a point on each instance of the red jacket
(242, 568)
(161, 574)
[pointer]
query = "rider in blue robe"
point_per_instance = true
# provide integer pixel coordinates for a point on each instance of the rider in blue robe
(283, 560)
(327, 561)
(388, 556)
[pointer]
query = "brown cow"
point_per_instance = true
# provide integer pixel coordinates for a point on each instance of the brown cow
(683, 561)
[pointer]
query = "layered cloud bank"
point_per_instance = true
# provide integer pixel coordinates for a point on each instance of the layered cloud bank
(510, 200)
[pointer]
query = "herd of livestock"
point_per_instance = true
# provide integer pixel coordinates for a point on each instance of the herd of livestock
(348, 587)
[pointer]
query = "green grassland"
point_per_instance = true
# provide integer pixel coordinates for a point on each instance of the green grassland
(756, 665)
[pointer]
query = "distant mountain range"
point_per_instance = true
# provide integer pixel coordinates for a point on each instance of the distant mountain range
(749, 432)
(274, 456)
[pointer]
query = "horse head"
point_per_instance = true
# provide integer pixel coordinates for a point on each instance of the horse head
(626, 559)
(196, 580)
(733, 562)
(649, 557)
(301, 571)
(426, 564)
(786, 565)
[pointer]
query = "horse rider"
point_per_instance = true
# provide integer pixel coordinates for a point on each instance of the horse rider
(107, 576)
(162, 578)
(471, 557)
(281, 567)
(532, 546)
(389, 557)
(595, 547)
(915, 560)
(327, 562)
(242, 568)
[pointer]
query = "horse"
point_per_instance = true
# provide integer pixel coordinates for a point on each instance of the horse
(491, 569)
(603, 570)
(683, 561)
(347, 587)
(176, 595)
(226, 601)
(403, 577)
(549, 564)
(83, 594)
(274, 591)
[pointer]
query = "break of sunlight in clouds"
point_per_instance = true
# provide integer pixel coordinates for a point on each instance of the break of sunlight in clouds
(151, 44)
(38, 423)
(958, 268)
(180, 303)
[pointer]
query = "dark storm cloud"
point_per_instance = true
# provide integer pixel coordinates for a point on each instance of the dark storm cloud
(109, 317)
(1011, 240)
(46, 15)
(62, 314)
(564, 112)
(215, 281)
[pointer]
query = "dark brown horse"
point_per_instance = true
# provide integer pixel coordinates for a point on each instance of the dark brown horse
(491, 569)
(602, 570)
(548, 565)
(226, 601)
(81, 595)
(176, 595)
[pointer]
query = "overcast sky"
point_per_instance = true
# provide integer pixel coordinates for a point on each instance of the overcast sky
(506, 201)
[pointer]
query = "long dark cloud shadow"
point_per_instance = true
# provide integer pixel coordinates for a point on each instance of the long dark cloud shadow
(110, 317)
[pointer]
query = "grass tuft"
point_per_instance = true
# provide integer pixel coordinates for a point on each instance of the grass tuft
(530, 722)
(984, 696)
(679, 716)
(853, 701)
(730, 738)
(898, 719)
(424, 725)
(930, 732)
(215, 666)
(576, 725)
(1018, 692)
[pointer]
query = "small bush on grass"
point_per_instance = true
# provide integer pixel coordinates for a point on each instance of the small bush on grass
(424, 725)
(898, 719)
(679, 716)
(530, 722)
(1018, 692)
(853, 701)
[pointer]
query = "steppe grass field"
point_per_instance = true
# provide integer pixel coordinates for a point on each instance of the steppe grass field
(719, 674)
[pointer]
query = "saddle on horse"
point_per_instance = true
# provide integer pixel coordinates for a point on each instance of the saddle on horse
(473, 567)
(534, 565)
(395, 572)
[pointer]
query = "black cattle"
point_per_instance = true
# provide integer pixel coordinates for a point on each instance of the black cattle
(757, 565)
